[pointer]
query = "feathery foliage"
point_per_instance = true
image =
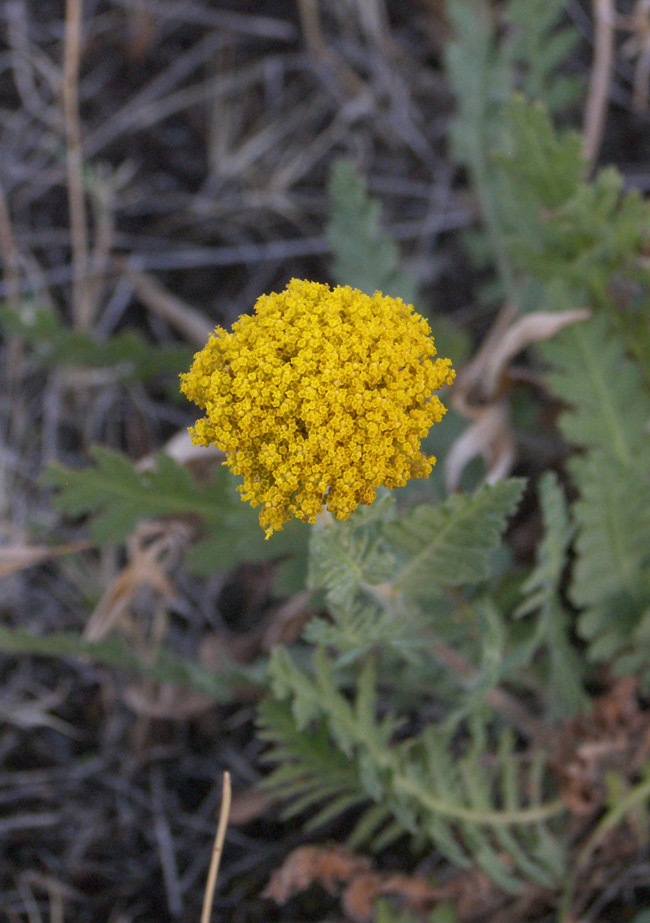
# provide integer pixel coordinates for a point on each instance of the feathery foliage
(559, 239)
(413, 786)
(375, 567)
(450, 545)
(557, 225)
(363, 255)
(116, 495)
(538, 47)
(542, 596)
(607, 417)
(470, 806)
(484, 71)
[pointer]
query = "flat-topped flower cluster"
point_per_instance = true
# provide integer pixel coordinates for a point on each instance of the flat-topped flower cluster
(318, 398)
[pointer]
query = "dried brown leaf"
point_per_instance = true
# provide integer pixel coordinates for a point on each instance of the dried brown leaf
(532, 328)
(490, 436)
(615, 736)
(478, 392)
(327, 866)
(152, 549)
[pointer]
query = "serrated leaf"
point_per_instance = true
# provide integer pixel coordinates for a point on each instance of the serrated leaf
(558, 225)
(608, 405)
(344, 555)
(541, 587)
(613, 540)
(542, 596)
(540, 48)
(118, 495)
(451, 544)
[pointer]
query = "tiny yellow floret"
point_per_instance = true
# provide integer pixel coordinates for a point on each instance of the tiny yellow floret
(319, 398)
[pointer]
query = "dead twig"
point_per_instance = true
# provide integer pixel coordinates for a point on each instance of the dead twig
(317, 45)
(184, 318)
(600, 78)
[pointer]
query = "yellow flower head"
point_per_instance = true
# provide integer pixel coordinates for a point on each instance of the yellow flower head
(319, 398)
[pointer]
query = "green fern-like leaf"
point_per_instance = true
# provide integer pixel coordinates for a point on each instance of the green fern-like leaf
(491, 631)
(346, 555)
(542, 596)
(607, 416)
(469, 806)
(116, 495)
(374, 566)
(607, 404)
(308, 771)
(482, 82)
(613, 541)
(364, 256)
(484, 70)
(558, 225)
(450, 544)
(540, 48)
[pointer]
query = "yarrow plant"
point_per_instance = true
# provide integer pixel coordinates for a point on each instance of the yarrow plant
(319, 398)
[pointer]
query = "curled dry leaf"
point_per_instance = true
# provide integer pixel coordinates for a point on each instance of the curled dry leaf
(541, 325)
(490, 436)
(478, 392)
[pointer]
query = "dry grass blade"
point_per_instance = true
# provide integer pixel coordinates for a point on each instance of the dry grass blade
(20, 557)
(215, 859)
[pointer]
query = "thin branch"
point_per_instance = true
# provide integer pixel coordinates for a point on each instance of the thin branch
(76, 200)
(182, 316)
(600, 78)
